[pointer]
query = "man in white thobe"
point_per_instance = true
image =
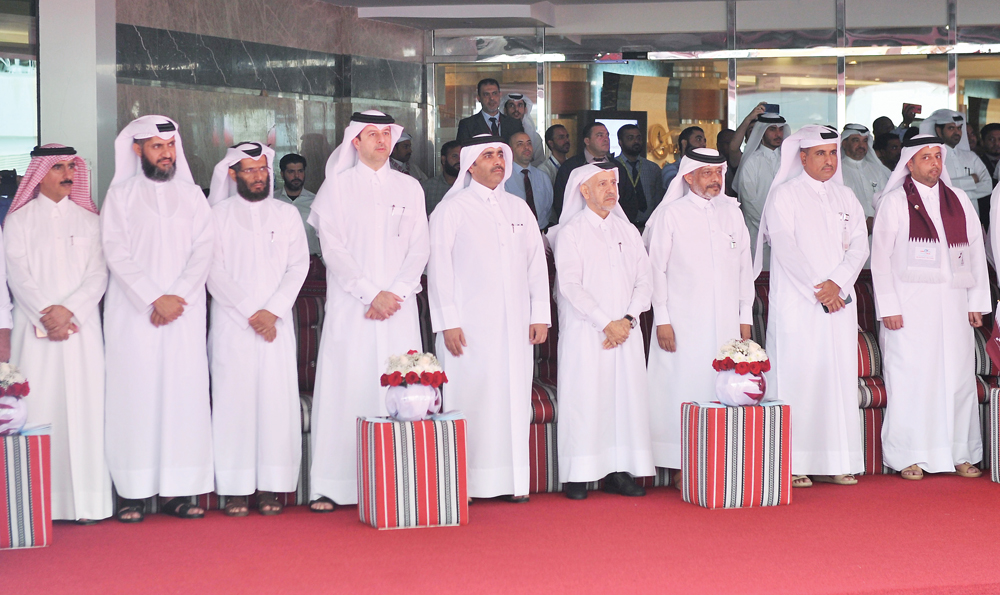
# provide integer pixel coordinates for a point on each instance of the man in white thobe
(261, 259)
(703, 293)
(965, 169)
(864, 174)
(819, 243)
(489, 298)
(518, 107)
(929, 296)
(372, 227)
(157, 234)
(56, 271)
(758, 166)
(603, 285)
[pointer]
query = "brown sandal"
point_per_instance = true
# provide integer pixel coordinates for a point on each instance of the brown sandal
(268, 499)
(801, 481)
(237, 506)
(847, 479)
(967, 470)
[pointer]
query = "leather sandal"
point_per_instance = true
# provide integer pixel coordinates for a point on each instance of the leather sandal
(847, 479)
(179, 507)
(269, 500)
(131, 506)
(322, 500)
(913, 473)
(967, 470)
(237, 506)
(801, 481)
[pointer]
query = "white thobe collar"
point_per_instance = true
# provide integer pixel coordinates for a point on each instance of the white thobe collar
(485, 193)
(595, 219)
(926, 192)
(701, 201)
(379, 176)
(815, 185)
(51, 207)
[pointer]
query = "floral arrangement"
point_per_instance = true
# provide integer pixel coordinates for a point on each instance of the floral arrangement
(412, 369)
(743, 356)
(12, 382)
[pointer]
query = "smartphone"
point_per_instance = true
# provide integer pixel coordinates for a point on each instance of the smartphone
(771, 108)
(916, 107)
(847, 301)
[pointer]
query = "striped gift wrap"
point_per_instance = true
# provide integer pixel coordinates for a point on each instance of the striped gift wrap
(736, 457)
(412, 474)
(26, 508)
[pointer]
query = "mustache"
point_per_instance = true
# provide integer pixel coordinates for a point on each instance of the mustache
(67, 182)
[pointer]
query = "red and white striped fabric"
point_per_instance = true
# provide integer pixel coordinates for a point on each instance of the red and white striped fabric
(412, 474)
(991, 455)
(736, 457)
(26, 507)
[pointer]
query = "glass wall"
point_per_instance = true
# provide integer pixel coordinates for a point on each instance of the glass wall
(979, 90)
(880, 85)
(805, 89)
(18, 84)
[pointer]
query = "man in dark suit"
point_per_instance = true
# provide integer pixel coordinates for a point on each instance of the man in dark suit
(489, 120)
(596, 149)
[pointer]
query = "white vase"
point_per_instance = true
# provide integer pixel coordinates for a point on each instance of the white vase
(739, 389)
(13, 415)
(412, 403)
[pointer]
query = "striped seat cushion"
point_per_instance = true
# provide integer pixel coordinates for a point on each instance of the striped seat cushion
(306, 403)
(871, 392)
(869, 356)
(307, 319)
(984, 386)
(984, 365)
(871, 430)
(542, 459)
(864, 293)
(543, 403)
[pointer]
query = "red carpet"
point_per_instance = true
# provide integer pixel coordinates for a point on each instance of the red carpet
(886, 535)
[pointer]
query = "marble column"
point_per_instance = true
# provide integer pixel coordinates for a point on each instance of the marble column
(77, 82)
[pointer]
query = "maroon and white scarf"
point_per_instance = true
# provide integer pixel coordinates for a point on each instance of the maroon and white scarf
(923, 260)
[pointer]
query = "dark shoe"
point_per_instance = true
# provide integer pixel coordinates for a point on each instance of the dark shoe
(515, 499)
(622, 483)
(182, 509)
(576, 490)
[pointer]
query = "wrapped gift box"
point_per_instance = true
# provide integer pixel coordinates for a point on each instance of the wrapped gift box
(412, 474)
(736, 457)
(26, 508)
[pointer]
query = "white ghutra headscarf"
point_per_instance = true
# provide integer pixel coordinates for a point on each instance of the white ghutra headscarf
(223, 186)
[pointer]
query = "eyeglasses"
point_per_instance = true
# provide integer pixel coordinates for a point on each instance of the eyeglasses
(249, 171)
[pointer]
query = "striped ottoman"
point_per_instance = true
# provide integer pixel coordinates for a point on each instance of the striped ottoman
(736, 457)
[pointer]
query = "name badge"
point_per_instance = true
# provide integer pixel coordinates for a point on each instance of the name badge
(925, 253)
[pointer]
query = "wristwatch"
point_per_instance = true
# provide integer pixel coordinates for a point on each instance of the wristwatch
(632, 321)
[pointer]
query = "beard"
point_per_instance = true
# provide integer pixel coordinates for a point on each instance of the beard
(294, 185)
(243, 190)
(155, 173)
(451, 170)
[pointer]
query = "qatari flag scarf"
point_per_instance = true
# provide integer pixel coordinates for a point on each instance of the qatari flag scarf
(923, 261)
